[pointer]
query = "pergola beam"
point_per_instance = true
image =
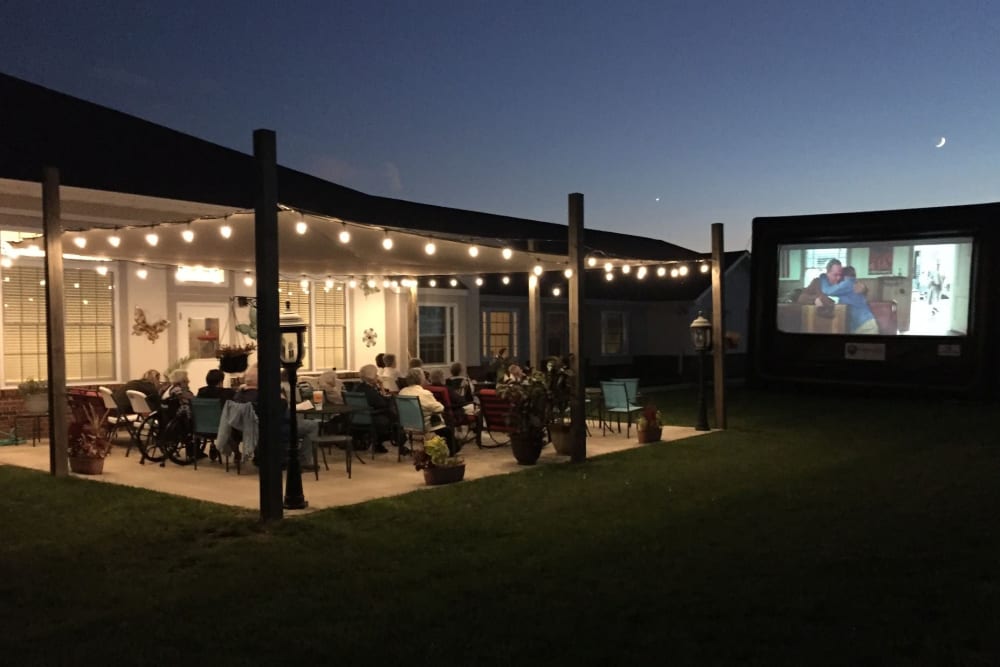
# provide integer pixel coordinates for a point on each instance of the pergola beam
(55, 324)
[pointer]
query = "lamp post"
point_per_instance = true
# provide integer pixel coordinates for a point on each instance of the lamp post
(293, 330)
(701, 336)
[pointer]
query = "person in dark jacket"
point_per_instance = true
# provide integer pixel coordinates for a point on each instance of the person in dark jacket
(380, 405)
(213, 386)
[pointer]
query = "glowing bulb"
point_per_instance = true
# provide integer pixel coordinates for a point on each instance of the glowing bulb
(505, 280)
(507, 253)
(387, 243)
(608, 266)
(479, 282)
(473, 251)
(591, 261)
(683, 270)
(371, 283)
(345, 236)
(674, 272)
(187, 235)
(301, 227)
(432, 282)
(85, 302)
(42, 283)
(453, 282)
(538, 269)
(142, 273)
(304, 284)
(394, 284)
(80, 242)
(662, 271)
(641, 273)
(76, 285)
(248, 280)
(568, 273)
(152, 238)
(102, 270)
(430, 248)
(6, 262)
(609, 277)
(352, 283)
(115, 240)
(626, 269)
(556, 291)
(704, 268)
(226, 231)
(329, 283)
(386, 282)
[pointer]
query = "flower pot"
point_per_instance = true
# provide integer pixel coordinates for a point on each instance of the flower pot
(36, 404)
(561, 440)
(526, 448)
(86, 465)
(444, 474)
(653, 434)
(234, 363)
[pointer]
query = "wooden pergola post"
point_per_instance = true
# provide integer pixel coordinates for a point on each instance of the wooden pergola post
(55, 323)
(268, 332)
(719, 323)
(412, 326)
(534, 321)
(578, 406)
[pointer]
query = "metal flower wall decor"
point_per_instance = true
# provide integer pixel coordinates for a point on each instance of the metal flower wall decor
(142, 327)
(370, 338)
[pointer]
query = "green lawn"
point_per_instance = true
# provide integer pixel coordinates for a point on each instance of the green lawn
(814, 531)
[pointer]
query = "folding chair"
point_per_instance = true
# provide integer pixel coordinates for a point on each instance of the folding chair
(616, 403)
(114, 419)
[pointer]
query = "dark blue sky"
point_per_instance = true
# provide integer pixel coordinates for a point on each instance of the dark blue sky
(722, 110)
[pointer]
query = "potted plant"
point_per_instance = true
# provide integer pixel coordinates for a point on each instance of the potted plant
(36, 396)
(650, 427)
(234, 358)
(438, 465)
(529, 416)
(87, 445)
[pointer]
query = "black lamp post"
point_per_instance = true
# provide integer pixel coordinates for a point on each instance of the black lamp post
(701, 336)
(293, 330)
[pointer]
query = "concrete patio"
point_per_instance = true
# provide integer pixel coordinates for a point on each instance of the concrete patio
(378, 478)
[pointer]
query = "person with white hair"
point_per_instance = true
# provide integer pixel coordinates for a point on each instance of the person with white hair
(433, 410)
(379, 404)
(179, 390)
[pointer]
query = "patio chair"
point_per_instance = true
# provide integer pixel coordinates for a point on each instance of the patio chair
(455, 416)
(616, 403)
(205, 416)
(411, 418)
(114, 419)
(631, 388)
(362, 418)
(494, 412)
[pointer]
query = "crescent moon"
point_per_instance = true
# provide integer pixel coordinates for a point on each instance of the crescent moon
(941, 143)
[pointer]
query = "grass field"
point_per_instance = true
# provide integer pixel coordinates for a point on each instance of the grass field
(813, 531)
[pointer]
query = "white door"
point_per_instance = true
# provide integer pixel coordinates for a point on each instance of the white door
(202, 327)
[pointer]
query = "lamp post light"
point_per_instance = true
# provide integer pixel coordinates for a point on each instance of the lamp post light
(293, 330)
(701, 336)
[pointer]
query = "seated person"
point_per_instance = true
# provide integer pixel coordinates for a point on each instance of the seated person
(379, 403)
(178, 390)
(148, 384)
(331, 386)
(851, 292)
(213, 386)
(432, 409)
(307, 428)
(459, 405)
(388, 374)
(514, 374)
(461, 382)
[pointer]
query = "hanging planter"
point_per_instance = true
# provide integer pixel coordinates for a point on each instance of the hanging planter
(234, 358)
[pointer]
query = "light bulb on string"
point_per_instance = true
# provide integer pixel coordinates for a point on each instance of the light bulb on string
(704, 267)
(188, 235)
(568, 273)
(538, 269)
(248, 280)
(608, 267)
(683, 270)
(371, 283)
(226, 231)
(114, 240)
(432, 282)
(609, 276)
(479, 281)
(640, 273)
(661, 271)
(556, 291)
(386, 283)
(329, 283)
(304, 283)
(142, 272)
(80, 242)
(430, 248)
(102, 270)
(301, 227)
(591, 262)
(152, 238)
(507, 253)
(387, 242)
(352, 283)
(6, 262)
(473, 251)
(453, 282)
(345, 235)
(505, 280)
(674, 272)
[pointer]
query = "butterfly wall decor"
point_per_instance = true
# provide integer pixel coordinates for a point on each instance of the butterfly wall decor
(142, 327)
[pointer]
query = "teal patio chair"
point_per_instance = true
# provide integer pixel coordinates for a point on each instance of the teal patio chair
(631, 388)
(411, 418)
(616, 403)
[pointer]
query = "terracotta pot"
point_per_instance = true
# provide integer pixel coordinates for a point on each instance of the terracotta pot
(654, 434)
(561, 441)
(234, 363)
(526, 449)
(86, 465)
(36, 404)
(444, 474)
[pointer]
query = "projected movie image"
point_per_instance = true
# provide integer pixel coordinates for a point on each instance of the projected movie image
(892, 288)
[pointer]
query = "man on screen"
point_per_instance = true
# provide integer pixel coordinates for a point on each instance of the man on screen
(842, 283)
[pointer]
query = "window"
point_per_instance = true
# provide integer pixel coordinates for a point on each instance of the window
(614, 333)
(329, 329)
(499, 329)
(815, 261)
(436, 334)
(90, 328)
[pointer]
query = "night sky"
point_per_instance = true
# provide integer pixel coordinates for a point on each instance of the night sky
(668, 116)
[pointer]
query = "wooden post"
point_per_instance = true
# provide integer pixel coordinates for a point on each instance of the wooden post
(55, 323)
(578, 428)
(412, 327)
(271, 446)
(719, 323)
(534, 322)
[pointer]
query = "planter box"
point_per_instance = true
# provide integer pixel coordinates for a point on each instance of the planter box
(650, 434)
(444, 475)
(86, 465)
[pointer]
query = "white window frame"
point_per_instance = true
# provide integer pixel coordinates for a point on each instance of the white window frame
(450, 332)
(512, 348)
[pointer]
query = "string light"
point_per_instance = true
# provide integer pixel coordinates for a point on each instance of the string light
(609, 277)
(453, 282)
(538, 269)
(329, 283)
(704, 267)
(387, 242)
(661, 271)
(640, 272)
(352, 283)
(683, 270)
(505, 280)
(626, 269)
(591, 262)
(152, 238)
(226, 231)
(608, 267)
(301, 227)
(473, 251)
(371, 283)
(394, 284)
(248, 280)
(430, 248)
(345, 235)
(102, 270)
(304, 284)
(556, 291)
(568, 273)
(432, 282)
(479, 281)
(80, 242)
(142, 272)
(188, 235)
(386, 283)
(674, 272)
(6, 262)
(507, 253)
(115, 240)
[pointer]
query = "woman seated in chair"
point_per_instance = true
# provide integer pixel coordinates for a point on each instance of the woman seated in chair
(379, 403)
(433, 410)
(459, 404)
